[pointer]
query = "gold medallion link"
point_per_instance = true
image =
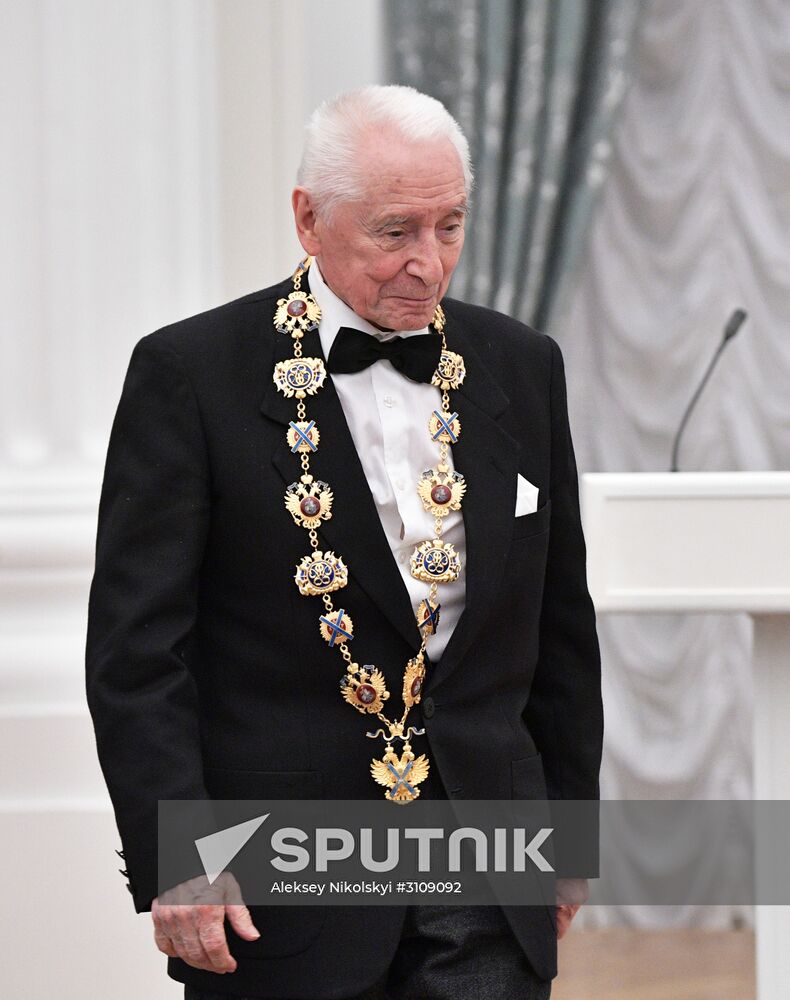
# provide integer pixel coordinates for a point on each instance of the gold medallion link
(309, 502)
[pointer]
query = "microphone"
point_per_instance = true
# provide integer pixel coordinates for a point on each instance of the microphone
(734, 323)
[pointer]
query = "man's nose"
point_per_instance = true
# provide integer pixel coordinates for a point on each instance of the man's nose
(426, 261)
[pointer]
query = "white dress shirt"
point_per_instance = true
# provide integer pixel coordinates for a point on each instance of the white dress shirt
(388, 416)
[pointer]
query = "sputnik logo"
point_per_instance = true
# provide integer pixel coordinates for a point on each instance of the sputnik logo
(219, 849)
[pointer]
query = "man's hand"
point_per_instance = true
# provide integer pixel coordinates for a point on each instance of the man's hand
(189, 922)
(570, 893)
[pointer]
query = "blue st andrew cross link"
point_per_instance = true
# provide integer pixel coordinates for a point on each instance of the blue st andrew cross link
(335, 627)
(302, 436)
(445, 426)
(401, 778)
(432, 617)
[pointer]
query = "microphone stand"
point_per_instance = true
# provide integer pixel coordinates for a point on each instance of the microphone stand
(734, 323)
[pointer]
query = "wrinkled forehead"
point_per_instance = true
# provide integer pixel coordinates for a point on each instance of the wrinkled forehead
(396, 173)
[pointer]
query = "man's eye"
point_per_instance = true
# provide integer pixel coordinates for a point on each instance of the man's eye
(395, 233)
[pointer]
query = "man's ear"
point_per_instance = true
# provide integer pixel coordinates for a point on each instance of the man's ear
(305, 219)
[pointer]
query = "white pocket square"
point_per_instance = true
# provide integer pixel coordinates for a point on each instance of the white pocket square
(526, 496)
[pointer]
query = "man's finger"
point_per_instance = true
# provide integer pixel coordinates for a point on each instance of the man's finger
(241, 922)
(565, 914)
(187, 938)
(190, 950)
(195, 934)
(212, 937)
(164, 944)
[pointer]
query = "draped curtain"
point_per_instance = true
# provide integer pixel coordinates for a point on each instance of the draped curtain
(535, 85)
(693, 221)
(634, 168)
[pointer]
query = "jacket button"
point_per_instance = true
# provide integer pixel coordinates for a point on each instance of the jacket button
(428, 708)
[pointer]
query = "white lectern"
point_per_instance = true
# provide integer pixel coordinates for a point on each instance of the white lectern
(709, 541)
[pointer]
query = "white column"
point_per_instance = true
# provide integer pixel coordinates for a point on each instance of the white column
(108, 194)
(149, 151)
(108, 209)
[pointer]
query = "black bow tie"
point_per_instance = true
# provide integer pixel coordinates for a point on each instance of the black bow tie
(415, 357)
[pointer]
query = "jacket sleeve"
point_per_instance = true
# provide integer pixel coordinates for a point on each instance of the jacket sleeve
(564, 713)
(152, 527)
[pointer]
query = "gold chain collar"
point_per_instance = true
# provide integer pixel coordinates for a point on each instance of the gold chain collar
(322, 573)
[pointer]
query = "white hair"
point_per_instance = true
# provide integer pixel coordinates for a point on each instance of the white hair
(329, 168)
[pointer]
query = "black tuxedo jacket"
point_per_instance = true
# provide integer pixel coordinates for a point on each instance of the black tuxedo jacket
(206, 671)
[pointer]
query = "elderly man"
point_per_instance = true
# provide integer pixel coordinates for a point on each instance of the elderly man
(348, 477)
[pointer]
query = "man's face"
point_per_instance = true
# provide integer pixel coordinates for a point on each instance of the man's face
(390, 255)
